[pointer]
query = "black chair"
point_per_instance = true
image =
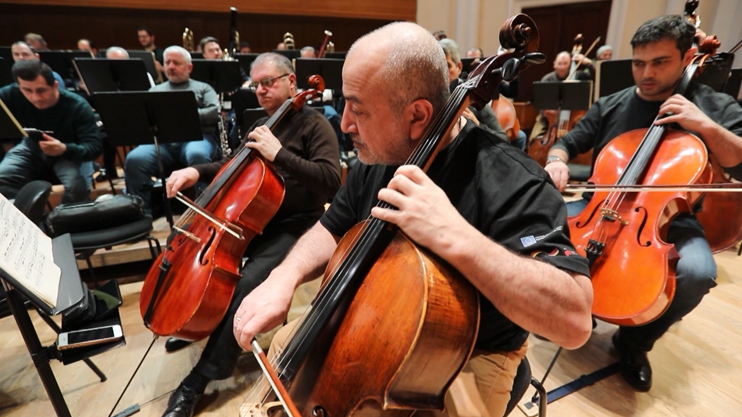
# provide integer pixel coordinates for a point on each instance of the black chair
(524, 378)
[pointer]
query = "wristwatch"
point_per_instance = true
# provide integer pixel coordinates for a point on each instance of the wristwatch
(554, 158)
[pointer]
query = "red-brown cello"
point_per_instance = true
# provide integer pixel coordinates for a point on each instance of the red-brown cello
(622, 234)
(188, 289)
(393, 325)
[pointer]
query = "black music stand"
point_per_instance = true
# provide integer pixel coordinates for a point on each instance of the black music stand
(6, 75)
(149, 62)
(612, 76)
(197, 55)
(223, 76)
(250, 116)
(336, 55)
(716, 71)
(288, 53)
(548, 95)
(245, 60)
(734, 82)
(70, 294)
(467, 64)
(102, 74)
(6, 53)
(331, 70)
(151, 117)
(61, 62)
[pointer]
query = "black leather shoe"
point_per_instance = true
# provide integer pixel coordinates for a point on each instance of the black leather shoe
(634, 365)
(172, 344)
(182, 403)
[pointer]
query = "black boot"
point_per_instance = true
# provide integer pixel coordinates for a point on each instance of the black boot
(172, 344)
(634, 365)
(185, 398)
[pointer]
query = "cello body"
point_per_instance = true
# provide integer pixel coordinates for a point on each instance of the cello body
(200, 276)
(396, 351)
(722, 231)
(559, 124)
(634, 277)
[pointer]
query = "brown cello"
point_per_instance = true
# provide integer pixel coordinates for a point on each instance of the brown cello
(622, 234)
(189, 287)
(393, 325)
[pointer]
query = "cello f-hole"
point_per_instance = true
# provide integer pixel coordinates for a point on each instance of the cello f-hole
(202, 259)
(589, 219)
(645, 243)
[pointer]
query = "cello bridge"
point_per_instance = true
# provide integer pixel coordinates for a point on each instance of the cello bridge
(612, 215)
(260, 410)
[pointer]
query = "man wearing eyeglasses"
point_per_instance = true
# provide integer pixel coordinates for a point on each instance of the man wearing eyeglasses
(141, 163)
(304, 150)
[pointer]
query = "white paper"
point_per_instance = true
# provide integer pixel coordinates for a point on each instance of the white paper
(26, 254)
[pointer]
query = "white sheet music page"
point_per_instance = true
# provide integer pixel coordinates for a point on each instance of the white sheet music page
(26, 254)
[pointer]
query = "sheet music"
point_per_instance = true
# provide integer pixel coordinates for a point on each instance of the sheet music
(26, 254)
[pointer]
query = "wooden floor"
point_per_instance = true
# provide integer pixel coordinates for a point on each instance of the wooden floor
(697, 364)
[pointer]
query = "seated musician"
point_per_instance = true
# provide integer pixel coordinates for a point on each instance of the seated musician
(662, 48)
(502, 225)
(67, 152)
(22, 51)
(484, 118)
(211, 50)
(561, 72)
(304, 150)
(141, 163)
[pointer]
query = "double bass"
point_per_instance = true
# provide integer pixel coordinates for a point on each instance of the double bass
(622, 234)
(391, 317)
(189, 287)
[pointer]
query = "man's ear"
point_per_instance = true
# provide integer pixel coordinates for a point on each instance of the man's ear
(420, 114)
(460, 66)
(689, 55)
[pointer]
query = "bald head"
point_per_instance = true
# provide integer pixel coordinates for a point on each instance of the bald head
(407, 62)
(116, 52)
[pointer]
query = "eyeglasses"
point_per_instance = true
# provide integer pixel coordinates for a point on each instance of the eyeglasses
(266, 82)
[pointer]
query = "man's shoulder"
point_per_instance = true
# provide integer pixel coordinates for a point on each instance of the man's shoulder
(73, 100)
(10, 90)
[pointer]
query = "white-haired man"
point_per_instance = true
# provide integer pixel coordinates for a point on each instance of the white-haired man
(141, 163)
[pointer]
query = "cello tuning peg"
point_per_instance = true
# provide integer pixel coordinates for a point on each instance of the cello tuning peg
(510, 69)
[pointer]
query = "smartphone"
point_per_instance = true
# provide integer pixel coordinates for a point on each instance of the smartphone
(36, 134)
(87, 337)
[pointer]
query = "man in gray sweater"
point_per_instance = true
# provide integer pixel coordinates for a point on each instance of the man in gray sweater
(141, 163)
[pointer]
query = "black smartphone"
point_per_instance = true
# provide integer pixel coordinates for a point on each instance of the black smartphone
(108, 299)
(36, 134)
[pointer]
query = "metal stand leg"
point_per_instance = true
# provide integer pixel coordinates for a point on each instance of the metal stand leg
(168, 208)
(39, 354)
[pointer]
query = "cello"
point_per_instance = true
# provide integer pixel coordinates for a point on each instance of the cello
(392, 318)
(189, 287)
(623, 234)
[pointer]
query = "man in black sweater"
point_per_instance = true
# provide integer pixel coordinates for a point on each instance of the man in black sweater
(304, 150)
(662, 48)
(69, 148)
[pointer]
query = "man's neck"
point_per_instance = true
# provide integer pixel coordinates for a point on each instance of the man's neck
(151, 47)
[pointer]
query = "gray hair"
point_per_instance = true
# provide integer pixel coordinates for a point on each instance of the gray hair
(180, 50)
(307, 49)
(450, 49)
(282, 63)
(415, 68)
(117, 50)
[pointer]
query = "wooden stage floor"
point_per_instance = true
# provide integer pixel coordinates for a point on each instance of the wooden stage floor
(697, 364)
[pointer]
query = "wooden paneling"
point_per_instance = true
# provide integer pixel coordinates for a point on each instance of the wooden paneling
(378, 9)
(558, 26)
(62, 26)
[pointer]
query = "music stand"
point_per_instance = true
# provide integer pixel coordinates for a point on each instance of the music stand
(331, 70)
(197, 55)
(716, 71)
(548, 95)
(250, 116)
(6, 75)
(61, 62)
(245, 60)
(149, 62)
(6, 53)
(288, 53)
(467, 64)
(223, 76)
(243, 99)
(336, 55)
(734, 82)
(9, 126)
(103, 74)
(612, 77)
(151, 117)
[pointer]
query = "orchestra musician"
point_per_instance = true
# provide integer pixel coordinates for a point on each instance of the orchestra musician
(304, 150)
(69, 147)
(141, 163)
(502, 225)
(662, 48)
(211, 50)
(147, 40)
(562, 64)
